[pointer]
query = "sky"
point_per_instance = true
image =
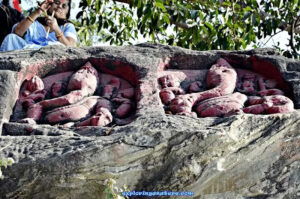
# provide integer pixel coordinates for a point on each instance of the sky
(283, 37)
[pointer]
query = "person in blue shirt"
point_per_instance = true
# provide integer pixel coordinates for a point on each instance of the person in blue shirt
(35, 32)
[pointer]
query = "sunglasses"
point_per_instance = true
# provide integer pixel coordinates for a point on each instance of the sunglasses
(58, 2)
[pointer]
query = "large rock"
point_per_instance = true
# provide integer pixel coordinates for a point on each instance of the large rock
(241, 156)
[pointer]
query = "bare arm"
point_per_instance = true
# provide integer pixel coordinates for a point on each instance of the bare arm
(67, 41)
(23, 26)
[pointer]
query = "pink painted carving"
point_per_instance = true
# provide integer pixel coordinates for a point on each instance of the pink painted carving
(57, 89)
(111, 89)
(103, 114)
(35, 84)
(271, 104)
(74, 99)
(167, 81)
(102, 118)
(126, 93)
(82, 83)
(125, 106)
(30, 97)
(33, 98)
(73, 112)
(35, 112)
(169, 93)
(221, 79)
(222, 106)
(226, 91)
(170, 88)
(195, 87)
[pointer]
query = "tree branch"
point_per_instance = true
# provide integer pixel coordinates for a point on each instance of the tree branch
(271, 36)
(179, 24)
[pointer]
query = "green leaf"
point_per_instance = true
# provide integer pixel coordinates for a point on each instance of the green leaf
(211, 28)
(97, 8)
(139, 5)
(88, 2)
(161, 6)
(108, 38)
(253, 19)
(166, 19)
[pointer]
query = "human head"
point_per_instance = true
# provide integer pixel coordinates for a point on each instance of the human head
(62, 9)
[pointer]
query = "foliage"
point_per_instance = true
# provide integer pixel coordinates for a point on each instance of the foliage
(4, 163)
(193, 24)
(199, 25)
(113, 192)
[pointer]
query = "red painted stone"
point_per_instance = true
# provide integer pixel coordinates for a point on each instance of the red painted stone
(264, 92)
(63, 98)
(82, 83)
(222, 106)
(220, 78)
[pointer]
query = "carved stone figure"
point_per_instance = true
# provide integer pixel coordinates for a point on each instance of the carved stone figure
(111, 89)
(167, 81)
(169, 93)
(195, 87)
(121, 98)
(126, 93)
(49, 103)
(103, 117)
(73, 112)
(169, 88)
(33, 98)
(219, 100)
(35, 84)
(34, 93)
(268, 88)
(57, 89)
(221, 79)
(125, 106)
(222, 106)
(82, 83)
(270, 104)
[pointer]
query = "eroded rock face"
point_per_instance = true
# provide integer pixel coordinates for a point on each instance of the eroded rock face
(95, 113)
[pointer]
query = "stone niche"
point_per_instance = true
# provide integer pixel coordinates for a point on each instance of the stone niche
(75, 93)
(222, 90)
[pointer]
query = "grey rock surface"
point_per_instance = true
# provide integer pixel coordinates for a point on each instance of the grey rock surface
(238, 157)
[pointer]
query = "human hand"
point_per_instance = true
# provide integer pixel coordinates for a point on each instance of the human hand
(44, 6)
(52, 23)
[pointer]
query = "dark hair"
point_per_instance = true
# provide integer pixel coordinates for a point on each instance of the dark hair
(8, 17)
(5, 2)
(69, 11)
(59, 21)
